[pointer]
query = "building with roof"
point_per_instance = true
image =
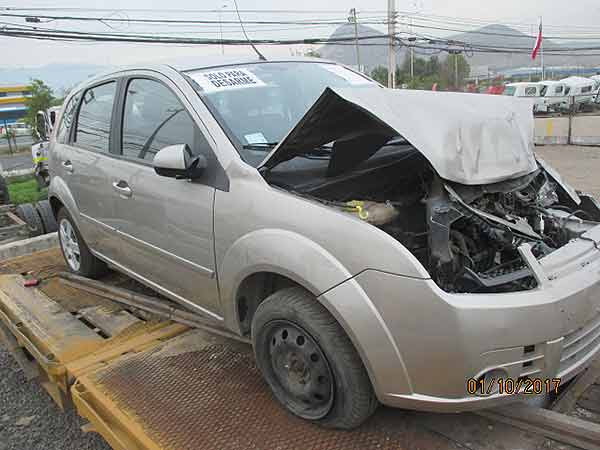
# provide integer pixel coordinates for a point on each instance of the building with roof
(12, 103)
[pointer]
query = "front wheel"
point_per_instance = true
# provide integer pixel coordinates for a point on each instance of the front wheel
(309, 362)
(74, 249)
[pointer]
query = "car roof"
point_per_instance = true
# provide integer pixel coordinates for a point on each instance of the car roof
(191, 64)
(188, 64)
(523, 83)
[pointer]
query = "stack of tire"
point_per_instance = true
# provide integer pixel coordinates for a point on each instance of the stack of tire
(38, 216)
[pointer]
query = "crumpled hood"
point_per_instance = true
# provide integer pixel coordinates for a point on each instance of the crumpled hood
(467, 138)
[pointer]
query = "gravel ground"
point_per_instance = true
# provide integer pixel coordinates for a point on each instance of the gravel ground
(29, 419)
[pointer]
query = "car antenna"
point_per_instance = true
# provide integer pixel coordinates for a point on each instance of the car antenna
(260, 55)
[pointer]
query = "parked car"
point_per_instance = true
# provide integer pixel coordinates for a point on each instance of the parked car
(581, 90)
(555, 94)
(45, 121)
(529, 90)
(376, 245)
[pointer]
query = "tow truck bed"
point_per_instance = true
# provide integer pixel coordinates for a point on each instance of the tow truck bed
(143, 382)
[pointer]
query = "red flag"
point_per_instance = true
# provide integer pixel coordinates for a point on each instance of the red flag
(538, 43)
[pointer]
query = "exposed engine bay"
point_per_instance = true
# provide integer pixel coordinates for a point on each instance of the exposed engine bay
(467, 236)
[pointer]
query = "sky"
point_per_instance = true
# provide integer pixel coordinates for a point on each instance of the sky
(557, 15)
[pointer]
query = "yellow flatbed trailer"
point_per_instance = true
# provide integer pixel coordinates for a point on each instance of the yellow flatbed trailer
(146, 383)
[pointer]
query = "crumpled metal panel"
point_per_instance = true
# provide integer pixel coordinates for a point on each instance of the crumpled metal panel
(468, 138)
(188, 396)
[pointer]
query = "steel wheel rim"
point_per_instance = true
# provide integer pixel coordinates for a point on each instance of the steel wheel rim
(303, 378)
(70, 245)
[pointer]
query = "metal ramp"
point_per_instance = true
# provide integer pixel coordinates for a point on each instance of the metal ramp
(149, 384)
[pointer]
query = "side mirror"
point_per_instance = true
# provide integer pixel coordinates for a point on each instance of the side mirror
(177, 161)
(40, 125)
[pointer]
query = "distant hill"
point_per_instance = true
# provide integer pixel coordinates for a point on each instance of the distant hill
(503, 36)
(57, 76)
(373, 52)
(491, 35)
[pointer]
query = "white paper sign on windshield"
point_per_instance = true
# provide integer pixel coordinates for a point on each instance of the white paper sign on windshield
(226, 80)
(348, 75)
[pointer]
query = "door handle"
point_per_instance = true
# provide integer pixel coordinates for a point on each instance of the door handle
(68, 166)
(122, 188)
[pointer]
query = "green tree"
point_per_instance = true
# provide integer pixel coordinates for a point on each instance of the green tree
(380, 74)
(455, 69)
(41, 99)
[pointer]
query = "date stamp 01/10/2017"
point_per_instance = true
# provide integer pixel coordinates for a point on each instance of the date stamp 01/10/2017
(527, 386)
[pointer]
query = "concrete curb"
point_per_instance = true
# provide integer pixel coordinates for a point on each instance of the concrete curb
(17, 172)
(28, 246)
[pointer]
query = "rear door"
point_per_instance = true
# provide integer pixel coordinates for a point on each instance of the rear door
(165, 225)
(81, 158)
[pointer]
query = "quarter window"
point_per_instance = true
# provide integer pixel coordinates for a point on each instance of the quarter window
(94, 120)
(153, 119)
(62, 133)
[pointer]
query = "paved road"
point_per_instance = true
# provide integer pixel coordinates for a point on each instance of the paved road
(14, 162)
(22, 141)
(30, 420)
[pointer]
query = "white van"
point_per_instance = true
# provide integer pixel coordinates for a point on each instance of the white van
(555, 94)
(582, 89)
(527, 89)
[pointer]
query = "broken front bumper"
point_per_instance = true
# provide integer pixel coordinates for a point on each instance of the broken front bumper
(442, 340)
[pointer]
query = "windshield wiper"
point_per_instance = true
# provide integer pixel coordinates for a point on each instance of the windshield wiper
(264, 146)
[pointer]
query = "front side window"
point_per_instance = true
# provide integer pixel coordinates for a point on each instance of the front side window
(531, 91)
(586, 89)
(559, 90)
(62, 133)
(154, 118)
(94, 120)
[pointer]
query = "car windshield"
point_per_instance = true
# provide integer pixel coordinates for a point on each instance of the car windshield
(258, 104)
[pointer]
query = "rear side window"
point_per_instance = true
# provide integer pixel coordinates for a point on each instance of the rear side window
(62, 133)
(530, 91)
(94, 120)
(154, 118)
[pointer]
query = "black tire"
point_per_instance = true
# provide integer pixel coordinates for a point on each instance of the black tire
(288, 322)
(28, 213)
(4, 194)
(89, 265)
(47, 216)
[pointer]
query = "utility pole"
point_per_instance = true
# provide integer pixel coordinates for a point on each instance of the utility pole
(456, 69)
(221, 28)
(353, 19)
(412, 41)
(392, 49)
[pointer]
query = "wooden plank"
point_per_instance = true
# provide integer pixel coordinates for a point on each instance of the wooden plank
(557, 426)
(45, 322)
(112, 321)
(568, 398)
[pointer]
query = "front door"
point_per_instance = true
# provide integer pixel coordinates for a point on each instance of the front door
(165, 225)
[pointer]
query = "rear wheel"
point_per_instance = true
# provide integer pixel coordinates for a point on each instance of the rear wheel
(45, 211)
(308, 361)
(28, 213)
(75, 251)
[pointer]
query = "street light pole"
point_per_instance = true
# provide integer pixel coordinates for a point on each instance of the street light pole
(352, 18)
(221, 28)
(392, 50)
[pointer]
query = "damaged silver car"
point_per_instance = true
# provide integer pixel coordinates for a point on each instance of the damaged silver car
(376, 246)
